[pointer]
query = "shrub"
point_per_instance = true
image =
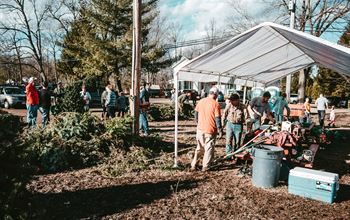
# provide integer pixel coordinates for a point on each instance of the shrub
(71, 101)
(72, 140)
(14, 169)
(163, 112)
(139, 157)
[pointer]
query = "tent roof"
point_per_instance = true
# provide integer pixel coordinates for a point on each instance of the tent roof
(264, 54)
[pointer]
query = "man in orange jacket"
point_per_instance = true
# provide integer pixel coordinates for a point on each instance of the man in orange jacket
(32, 102)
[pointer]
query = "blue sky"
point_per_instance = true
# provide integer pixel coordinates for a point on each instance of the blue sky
(195, 15)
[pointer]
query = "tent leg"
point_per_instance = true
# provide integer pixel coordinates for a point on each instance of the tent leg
(176, 84)
(245, 92)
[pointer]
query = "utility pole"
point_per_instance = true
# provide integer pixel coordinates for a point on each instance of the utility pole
(136, 66)
(291, 25)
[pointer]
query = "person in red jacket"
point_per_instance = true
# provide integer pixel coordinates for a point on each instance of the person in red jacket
(32, 102)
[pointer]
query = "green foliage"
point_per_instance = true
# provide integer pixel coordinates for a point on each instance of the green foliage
(72, 101)
(147, 153)
(100, 40)
(14, 170)
(331, 83)
(73, 140)
(163, 112)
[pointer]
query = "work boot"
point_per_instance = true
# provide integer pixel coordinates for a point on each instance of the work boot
(205, 169)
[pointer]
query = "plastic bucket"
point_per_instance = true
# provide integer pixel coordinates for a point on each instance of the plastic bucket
(266, 165)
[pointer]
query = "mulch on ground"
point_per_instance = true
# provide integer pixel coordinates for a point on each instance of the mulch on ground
(164, 194)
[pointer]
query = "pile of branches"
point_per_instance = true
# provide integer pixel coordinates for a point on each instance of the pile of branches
(74, 140)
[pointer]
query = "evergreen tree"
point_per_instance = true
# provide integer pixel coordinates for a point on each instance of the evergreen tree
(100, 41)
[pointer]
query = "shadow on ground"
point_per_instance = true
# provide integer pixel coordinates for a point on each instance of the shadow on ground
(94, 203)
(335, 157)
(343, 194)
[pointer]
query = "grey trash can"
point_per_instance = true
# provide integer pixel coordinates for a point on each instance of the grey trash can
(266, 165)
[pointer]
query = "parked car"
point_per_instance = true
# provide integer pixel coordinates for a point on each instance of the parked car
(294, 98)
(155, 90)
(167, 93)
(339, 102)
(343, 103)
(12, 96)
(333, 100)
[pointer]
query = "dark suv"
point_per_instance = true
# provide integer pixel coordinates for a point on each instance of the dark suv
(11, 96)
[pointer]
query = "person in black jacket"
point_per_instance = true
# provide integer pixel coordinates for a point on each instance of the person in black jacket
(45, 103)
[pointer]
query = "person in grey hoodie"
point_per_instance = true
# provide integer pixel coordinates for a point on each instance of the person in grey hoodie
(110, 101)
(103, 104)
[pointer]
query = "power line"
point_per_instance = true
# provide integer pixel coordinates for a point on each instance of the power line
(206, 40)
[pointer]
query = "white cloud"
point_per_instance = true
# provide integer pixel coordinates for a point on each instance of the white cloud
(195, 15)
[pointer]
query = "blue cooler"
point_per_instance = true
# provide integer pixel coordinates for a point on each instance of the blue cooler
(313, 184)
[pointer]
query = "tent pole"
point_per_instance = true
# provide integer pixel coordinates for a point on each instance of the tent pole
(176, 84)
(245, 92)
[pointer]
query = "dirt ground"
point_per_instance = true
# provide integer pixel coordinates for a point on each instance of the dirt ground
(180, 194)
(164, 194)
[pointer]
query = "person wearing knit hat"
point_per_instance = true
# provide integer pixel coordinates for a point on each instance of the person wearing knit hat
(32, 103)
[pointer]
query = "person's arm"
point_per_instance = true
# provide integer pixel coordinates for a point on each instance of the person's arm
(268, 113)
(326, 100)
(252, 104)
(196, 116)
(108, 99)
(196, 111)
(305, 107)
(103, 97)
(288, 110)
(224, 116)
(218, 119)
(243, 114)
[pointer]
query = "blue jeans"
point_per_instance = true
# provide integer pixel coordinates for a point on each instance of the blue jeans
(32, 113)
(144, 122)
(321, 116)
(233, 133)
(86, 108)
(307, 116)
(256, 123)
(278, 118)
(45, 114)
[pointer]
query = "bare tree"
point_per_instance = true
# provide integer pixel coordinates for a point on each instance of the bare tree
(64, 12)
(313, 16)
(316, 17)
(175, 35)
(27, 20)
(241, 19)
(193, 51)
(214, 34)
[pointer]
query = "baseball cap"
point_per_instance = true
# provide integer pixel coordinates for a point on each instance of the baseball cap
(31, 79)
(214, 90)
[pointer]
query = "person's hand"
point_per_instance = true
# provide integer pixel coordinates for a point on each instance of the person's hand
(220, 133)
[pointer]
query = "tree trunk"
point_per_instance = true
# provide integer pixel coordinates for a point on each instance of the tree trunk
(301, 89)
(55, 65)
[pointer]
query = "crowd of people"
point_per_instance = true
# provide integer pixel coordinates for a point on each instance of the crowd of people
(41, 100)
(211, 123)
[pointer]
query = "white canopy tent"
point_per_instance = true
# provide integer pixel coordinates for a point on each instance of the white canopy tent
(264, 54)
